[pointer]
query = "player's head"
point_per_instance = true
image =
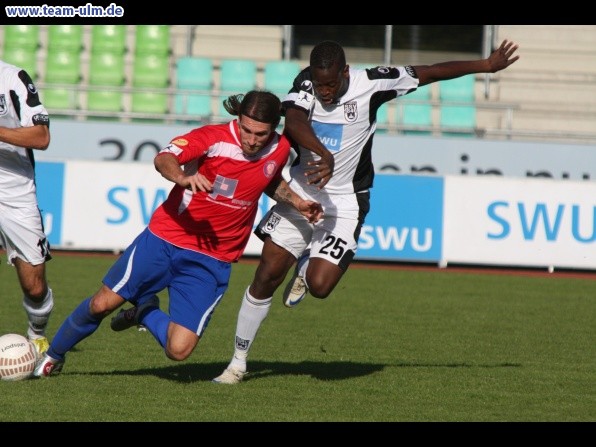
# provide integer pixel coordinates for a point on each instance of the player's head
(258, 114)
(329, 71)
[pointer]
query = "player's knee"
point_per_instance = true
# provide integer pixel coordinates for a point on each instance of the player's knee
(319, 288)
(178, 352)
(36, 291)
(180, 348)
(99, 307)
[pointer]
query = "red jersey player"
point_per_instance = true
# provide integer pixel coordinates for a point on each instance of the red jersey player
(219, 171)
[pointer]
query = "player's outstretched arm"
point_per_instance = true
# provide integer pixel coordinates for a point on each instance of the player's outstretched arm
(499, 59)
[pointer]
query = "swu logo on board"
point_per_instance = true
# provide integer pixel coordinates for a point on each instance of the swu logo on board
(397, 239)
(538, 219)
(124, 200)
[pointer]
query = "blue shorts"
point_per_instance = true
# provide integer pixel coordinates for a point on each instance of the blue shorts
(195, 282)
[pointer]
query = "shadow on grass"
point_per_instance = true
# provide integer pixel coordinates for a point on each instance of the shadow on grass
(192, 372)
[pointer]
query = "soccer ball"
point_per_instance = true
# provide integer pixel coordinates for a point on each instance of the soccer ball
(17, 357)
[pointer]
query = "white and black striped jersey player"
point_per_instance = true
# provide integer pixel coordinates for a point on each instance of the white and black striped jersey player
(346, 128)
(330, 117)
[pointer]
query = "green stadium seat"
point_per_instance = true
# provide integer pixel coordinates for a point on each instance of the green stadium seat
(65, 38)
(236, 76)
(106, 70)
(152, 39)
(462, 117)
(108, 39)
(21, 36)
(59, 98)
(278, 76)
(146, 102)
(62, 67)
(150, 71)
(417, 114)
(22, 57)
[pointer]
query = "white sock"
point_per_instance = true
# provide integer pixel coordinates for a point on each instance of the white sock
(38, 314)
(251, 315)
(302, 265)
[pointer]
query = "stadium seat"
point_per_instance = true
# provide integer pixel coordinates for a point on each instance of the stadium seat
(459, 117)
(279, 76)
(59, 98)
(152, 39)
(62, 67)
(21, 36)
(417, 114)
(150, 71)
(65, 38)
(106, 70)
(236, 76)
(153, 103)
(22, 57)
(193, 105)
(108, 39)
(193, 73)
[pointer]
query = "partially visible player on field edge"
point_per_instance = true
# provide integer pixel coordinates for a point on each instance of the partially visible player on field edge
(24, 126)
(219, 173)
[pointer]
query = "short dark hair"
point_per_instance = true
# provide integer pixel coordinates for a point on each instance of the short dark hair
(327, 54)
(260, 105)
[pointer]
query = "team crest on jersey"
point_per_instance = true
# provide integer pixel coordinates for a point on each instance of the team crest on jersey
(3, 108)
(351, 111)
(271, 223)
(269, 169)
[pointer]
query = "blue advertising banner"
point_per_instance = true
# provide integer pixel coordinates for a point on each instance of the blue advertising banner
(49, 179)
(405, 221)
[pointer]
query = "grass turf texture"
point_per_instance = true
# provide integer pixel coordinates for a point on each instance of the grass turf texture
(387, 345)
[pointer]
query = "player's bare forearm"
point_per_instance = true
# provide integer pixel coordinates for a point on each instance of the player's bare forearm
(33, 137)
(167, 165)
(282, 193)
(300, 130)
(499, 59)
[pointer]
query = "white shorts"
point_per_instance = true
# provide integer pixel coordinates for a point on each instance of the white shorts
(22, 235)
(334, 238)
